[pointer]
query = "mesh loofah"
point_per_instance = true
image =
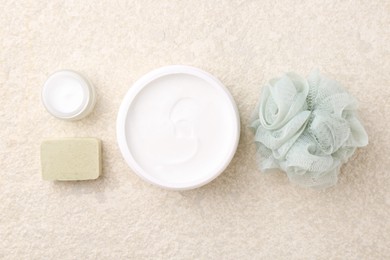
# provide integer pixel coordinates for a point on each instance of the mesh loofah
(307, 127)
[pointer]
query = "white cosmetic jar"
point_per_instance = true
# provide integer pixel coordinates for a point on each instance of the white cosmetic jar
(178, 127)
(67, 95)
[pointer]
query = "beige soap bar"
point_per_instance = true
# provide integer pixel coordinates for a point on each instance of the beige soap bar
(71, 159)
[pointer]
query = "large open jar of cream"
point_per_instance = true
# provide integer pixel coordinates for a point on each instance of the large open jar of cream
(178, 127)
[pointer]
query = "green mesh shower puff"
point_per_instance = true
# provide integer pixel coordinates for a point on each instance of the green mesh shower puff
(306, 127)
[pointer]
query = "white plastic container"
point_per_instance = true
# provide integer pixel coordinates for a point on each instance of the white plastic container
(178, 127)
(67, 95)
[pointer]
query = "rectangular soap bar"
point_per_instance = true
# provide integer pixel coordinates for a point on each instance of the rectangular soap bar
(71, 159)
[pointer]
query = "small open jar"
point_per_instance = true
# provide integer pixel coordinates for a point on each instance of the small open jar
(68, 96)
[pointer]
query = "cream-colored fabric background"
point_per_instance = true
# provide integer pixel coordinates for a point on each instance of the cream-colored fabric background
(242, 214)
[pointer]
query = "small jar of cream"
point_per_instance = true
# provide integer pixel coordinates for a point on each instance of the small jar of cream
(67, 95)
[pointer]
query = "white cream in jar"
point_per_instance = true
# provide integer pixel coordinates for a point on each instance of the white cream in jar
(178, 127)
(67, 95)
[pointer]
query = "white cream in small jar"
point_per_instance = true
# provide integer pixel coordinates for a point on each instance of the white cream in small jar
(67, 95)
(178, 127)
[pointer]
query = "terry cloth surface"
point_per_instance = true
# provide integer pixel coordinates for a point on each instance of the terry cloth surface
(243, 214)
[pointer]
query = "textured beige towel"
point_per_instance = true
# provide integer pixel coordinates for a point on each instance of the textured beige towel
(242, 214)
